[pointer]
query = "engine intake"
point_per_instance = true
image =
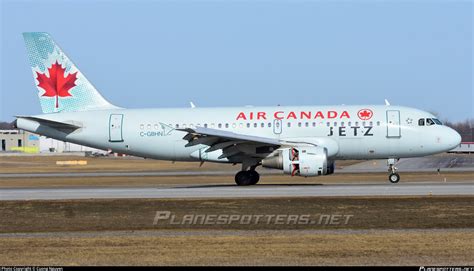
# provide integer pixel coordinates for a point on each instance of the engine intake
(301, 161)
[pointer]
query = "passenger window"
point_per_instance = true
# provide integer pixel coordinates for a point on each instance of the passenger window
(177, 126)
(205, 125)
(289, 124)
(314, 124)
(262, 125)
(269, 125)
(248, 125)
(226, 125)
(299, 124)
(219, 125)
(142, 126)
(429, 122)
(421, 122)
(378, 123)
(335, 124)
(255, 125)
(306, 124)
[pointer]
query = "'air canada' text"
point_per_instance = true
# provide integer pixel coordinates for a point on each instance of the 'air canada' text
(293, 115)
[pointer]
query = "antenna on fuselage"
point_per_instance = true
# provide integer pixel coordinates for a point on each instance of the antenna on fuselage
(387, 102)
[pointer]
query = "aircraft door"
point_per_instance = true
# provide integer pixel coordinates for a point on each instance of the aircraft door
(115, 128)
(393, 123)
(277, 126)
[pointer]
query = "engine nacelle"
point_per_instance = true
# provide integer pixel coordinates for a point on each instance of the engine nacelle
(300, 161)
(331, 167)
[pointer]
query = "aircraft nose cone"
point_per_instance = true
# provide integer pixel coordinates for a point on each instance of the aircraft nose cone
(453, 139)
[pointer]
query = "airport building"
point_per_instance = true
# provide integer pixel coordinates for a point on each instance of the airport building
(19, 141)
(15, 140)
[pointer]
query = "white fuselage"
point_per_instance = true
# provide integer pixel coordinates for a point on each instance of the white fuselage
(349, 132)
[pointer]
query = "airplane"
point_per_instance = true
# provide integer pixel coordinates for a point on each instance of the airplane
(301, 141)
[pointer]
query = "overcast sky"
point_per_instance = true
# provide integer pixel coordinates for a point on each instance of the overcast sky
(233, 53)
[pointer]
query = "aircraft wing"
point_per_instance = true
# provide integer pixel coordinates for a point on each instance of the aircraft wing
(231, 144)
(234, 144)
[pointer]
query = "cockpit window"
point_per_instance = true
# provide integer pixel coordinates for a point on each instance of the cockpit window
(429, 122)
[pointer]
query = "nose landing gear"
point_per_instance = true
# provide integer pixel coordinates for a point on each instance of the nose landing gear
(393, 177)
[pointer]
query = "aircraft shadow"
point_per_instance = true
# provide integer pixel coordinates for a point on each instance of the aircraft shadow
(250, 186)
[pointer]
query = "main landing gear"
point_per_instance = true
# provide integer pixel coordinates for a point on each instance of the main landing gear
(247, 177)
(393, 177)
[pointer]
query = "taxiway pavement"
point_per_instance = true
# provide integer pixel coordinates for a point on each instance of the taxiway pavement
(232, 191)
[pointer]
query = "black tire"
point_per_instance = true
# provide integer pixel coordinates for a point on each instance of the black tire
(394, 178)
(243, 178)
(254, 176)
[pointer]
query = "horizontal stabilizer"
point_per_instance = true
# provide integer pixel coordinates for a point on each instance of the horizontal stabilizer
(51, 123)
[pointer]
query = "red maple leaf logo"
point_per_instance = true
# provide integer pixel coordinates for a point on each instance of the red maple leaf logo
(56, 85)
(365, 114)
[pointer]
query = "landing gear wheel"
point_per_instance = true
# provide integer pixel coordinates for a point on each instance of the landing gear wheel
(254, 176)
(243, 178)
(394, 178)
(250, 177)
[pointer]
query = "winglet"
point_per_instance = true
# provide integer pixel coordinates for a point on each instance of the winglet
(387, 102)
(192, 105)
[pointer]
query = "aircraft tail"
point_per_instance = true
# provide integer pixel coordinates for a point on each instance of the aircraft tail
(62, 87)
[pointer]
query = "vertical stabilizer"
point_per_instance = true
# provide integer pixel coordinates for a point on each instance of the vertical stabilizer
(62, 87)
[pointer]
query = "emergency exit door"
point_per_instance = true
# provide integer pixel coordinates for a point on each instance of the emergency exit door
(393, 123)
(115, 128)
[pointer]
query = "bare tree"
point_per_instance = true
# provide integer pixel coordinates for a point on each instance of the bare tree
(464, 128)
(6, 126)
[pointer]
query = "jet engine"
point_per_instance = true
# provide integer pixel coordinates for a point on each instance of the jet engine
(301, 161)
(331, 167)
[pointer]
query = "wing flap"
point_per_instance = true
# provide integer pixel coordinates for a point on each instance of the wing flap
(231, 144)
(201, 131)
